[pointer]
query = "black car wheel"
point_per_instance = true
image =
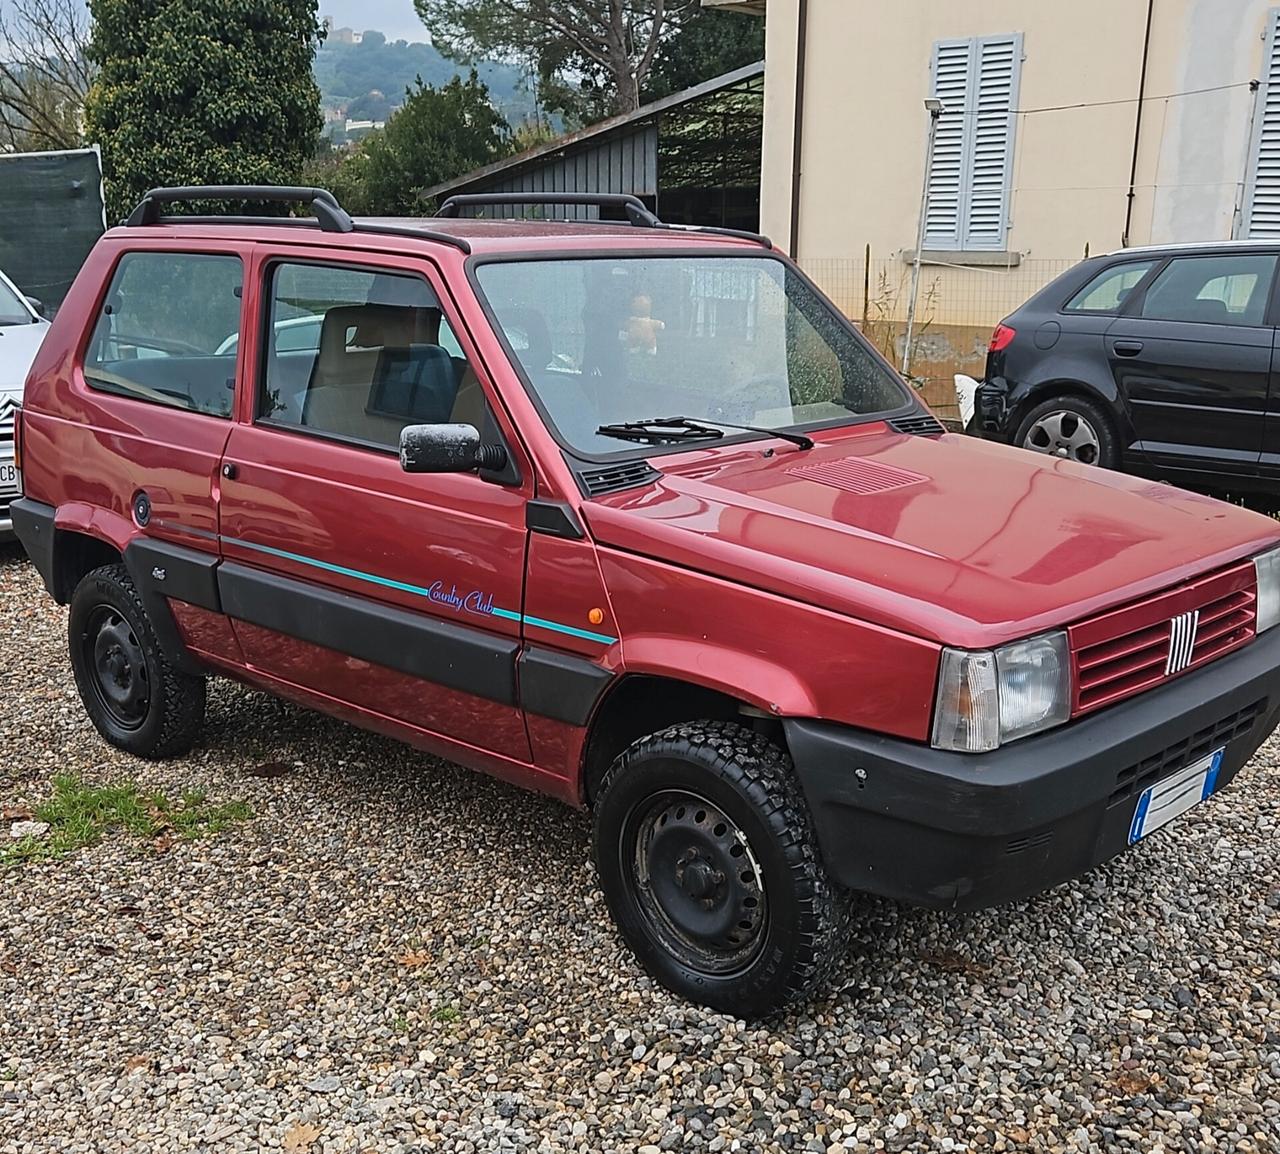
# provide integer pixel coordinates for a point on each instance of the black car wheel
(1071, 428)
(710, 867)
(137, 700)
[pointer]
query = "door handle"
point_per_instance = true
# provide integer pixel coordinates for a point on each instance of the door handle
(1127, 348)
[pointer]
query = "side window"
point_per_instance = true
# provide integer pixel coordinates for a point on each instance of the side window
(1108, 291)
(1224, 290)
(359, 354)
(169, 330)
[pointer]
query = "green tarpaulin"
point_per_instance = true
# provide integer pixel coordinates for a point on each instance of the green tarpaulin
(51, 214)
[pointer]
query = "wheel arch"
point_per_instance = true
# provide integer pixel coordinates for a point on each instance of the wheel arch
(75, 555)
(639, 704)
(1107, 400)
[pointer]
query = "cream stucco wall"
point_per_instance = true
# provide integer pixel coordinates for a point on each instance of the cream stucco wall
(863, 149)
(1195, 148)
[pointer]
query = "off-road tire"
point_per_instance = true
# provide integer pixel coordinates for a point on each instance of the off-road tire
(750, 780)
(174, 702)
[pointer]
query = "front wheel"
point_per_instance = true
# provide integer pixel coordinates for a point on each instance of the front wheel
(1072, 428)
(709, 864)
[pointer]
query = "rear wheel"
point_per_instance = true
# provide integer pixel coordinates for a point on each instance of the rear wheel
(137, 700)
(710, 867)
(1072, 428)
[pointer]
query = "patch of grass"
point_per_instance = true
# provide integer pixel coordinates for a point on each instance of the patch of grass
(400, 1025)
(80, 815)
(446, 1014)
(9, 1074)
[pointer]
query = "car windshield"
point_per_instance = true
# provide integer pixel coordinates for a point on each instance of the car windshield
(12, 309)
(734, 339)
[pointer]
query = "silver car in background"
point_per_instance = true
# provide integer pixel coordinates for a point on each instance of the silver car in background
(22, 329)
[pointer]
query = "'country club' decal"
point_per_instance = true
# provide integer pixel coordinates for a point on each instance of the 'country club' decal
(476, 601)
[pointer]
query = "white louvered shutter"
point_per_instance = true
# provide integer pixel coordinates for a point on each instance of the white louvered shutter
(1263, 198)
(977, 82)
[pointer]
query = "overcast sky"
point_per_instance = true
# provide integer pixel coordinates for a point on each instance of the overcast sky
(396, 18)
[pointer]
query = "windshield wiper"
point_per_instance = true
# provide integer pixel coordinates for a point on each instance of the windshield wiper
(671, 430)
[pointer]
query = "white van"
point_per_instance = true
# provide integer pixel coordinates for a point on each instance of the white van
(22, 328)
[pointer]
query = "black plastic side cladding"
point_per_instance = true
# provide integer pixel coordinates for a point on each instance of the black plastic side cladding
(560, 686)
(469, 660)
(161, 570)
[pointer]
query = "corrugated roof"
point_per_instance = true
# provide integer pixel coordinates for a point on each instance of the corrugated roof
(560, 146)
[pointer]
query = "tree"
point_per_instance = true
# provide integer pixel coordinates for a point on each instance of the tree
(609, 46)
(202, 92)
(44, 73)
(438, 134)
(706, 44)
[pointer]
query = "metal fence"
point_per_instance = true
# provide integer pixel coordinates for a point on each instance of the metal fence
(957, 308)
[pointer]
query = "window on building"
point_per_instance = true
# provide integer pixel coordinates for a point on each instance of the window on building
(977, 82)
(359, 354)
(1261, 215)
(1223, 290)
(1110, 288)
(167, 331)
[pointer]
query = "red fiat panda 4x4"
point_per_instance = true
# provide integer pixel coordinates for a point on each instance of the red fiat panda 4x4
(631, 514)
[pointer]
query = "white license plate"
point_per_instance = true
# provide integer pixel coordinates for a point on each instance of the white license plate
(1176, 794)
(8, 477)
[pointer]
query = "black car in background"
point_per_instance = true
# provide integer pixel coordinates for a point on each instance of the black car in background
(1156, 361)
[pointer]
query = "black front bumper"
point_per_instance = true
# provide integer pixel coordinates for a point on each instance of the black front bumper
(966, 831)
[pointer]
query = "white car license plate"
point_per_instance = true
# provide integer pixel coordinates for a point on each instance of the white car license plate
(8, 477)
(1173, 796)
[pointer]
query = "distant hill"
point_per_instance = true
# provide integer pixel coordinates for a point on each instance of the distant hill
(369, 79)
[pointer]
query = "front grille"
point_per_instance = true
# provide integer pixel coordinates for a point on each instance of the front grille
(1132, 781)
(1133, 649)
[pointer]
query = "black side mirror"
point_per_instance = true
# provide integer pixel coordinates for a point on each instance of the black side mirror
(447, 449)
(37, 304)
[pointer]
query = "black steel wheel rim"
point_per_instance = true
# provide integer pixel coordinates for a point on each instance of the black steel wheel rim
(696, 882)
(116, 667)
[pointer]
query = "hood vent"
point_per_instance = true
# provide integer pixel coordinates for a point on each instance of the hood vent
(918, 425)
(858, 475)
(597, 482)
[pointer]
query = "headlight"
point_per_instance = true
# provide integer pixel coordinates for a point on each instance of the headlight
(989, 697)
(1267, 567)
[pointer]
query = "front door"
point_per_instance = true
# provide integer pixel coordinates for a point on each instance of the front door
(397, 594)
(1192, 360)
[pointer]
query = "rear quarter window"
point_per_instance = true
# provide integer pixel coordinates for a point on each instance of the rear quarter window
(1107, 292)
(168, 331)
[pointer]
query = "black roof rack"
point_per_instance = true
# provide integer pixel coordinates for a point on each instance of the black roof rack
(633, 206)
(331, 216)
(328, 213)
(637, 212)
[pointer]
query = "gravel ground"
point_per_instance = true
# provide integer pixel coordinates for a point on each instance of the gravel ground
(395, 955)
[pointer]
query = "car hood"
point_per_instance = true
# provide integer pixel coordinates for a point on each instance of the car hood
(951, 538)
(18, 347)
